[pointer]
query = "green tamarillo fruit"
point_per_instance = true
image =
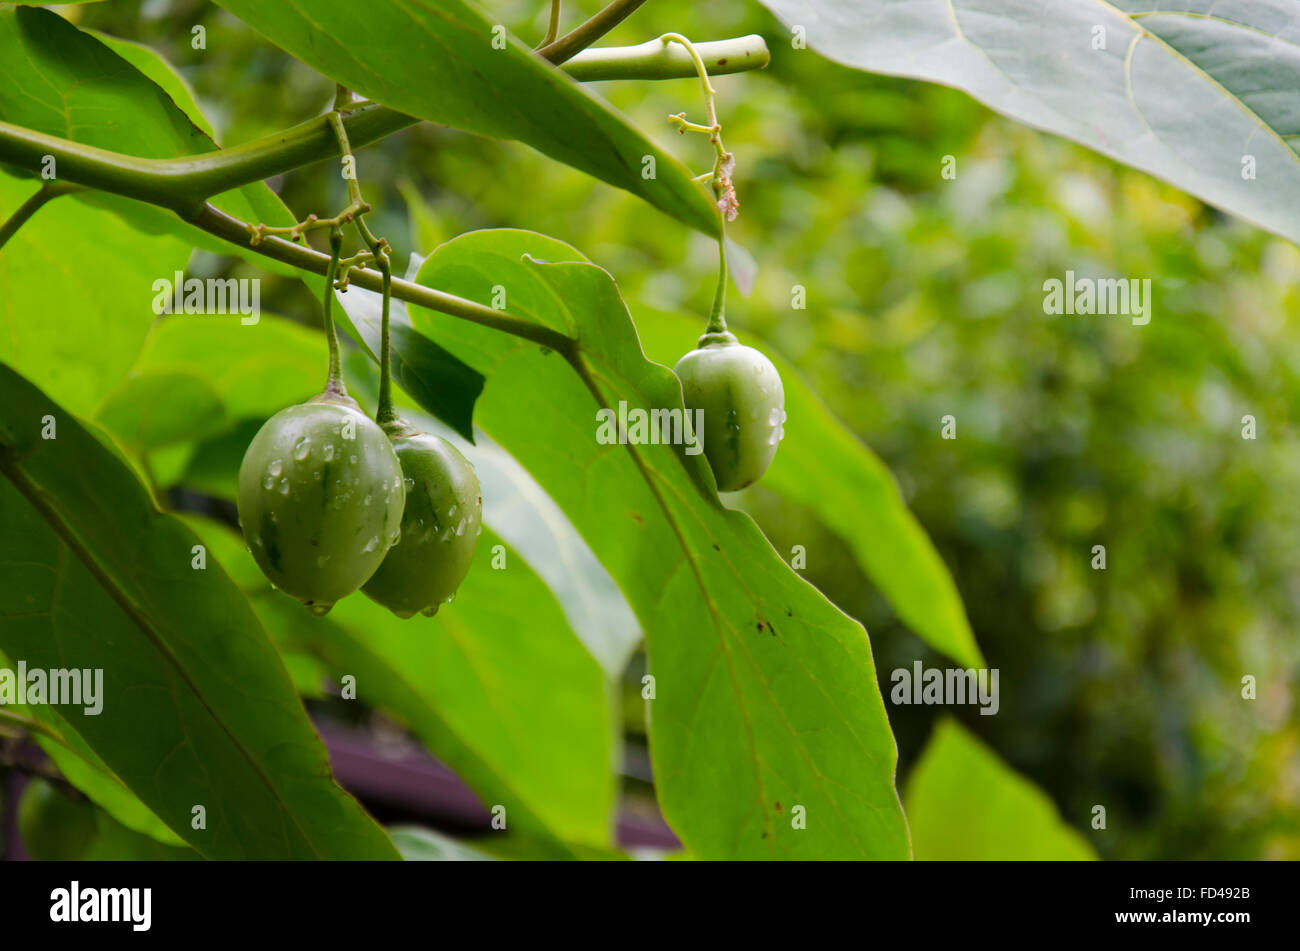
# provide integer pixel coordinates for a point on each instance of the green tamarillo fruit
(320, 499)
(741, 402)
(440, 525)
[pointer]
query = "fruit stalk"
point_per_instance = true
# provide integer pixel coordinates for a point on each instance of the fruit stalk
(334, 381)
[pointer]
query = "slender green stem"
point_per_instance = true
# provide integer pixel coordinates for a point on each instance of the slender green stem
(582, 36)
(379, 252)
(656, 60)
(183, 184)
(718, 315)
(719, 178)
(32, 205)
(334, 383)
(221, 225)
(553, 30)
(385, 413)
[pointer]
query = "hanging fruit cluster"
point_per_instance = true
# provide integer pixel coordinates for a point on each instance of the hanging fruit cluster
(332, 501)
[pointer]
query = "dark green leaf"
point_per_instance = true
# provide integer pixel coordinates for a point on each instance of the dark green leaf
(197, 708)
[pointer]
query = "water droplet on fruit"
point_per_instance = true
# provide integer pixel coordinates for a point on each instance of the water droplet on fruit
(451, 512)
(430, 611)
(275, 468)
(372, 544)
(321, 560)
(284, 486)
(302, 448)
(353, 459)
(409, 483)
(269, 482)
(329, 452)
(319, 609)
(460, 528)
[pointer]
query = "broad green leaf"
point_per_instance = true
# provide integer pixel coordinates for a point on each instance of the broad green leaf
(57, 79)
(228, 547)
(149, 62)
(1190, 91)
(496, 685)
(823, 466)
(436, 60)
(114, 842)
(765, 694)
(198, 709)
(161, 409)
(76, 295)
(222, 370)
(964, 803)
(57, 828)
(426, 845)
(83, 768)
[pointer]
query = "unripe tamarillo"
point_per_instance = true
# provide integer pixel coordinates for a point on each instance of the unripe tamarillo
(440, 525)
(320, 499)
(742, 402)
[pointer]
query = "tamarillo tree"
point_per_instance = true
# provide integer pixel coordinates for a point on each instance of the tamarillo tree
(496, 353)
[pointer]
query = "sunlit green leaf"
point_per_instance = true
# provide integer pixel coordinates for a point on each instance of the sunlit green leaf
(963, 802)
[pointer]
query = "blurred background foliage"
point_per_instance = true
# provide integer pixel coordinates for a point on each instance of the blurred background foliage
(1119, 687)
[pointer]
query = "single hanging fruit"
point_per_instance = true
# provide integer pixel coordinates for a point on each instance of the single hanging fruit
(440, 526)
(739, 394)
(320, 499)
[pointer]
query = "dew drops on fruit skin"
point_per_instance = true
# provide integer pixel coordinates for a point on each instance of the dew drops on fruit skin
(302, 448)
(319, 609)
(329, 452)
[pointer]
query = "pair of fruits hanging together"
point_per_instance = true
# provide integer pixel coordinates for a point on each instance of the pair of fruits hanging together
(332, 501)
